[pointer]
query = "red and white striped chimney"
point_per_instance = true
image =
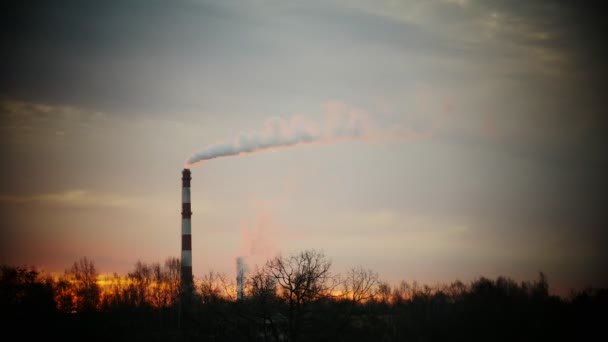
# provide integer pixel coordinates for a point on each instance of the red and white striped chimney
(186, 231)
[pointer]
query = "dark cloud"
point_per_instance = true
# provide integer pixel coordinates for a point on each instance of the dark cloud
(110, 55)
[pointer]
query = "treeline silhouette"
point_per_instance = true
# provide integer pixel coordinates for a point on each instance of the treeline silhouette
(291, 298)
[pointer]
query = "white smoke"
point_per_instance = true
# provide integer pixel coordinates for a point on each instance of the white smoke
(278, 132)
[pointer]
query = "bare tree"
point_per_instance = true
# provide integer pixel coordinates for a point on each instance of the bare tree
(173, 268)
(261, 285)
(262, 289)
(139, 285)
(83, 280)
(159, 291)
(384, 292)
(116, 294)
(64, 295)
(360, 284)
(302, 278)
(214, 286)
(404, 292)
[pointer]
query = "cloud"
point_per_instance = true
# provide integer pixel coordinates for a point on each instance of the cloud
(23, 122)
(111, 55)
(546, 38)
(74, 198)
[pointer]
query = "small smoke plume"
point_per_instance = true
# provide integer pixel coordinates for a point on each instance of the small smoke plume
(340, 124)
(259, 233)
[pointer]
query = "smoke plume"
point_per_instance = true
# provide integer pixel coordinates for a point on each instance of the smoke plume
(339, 125)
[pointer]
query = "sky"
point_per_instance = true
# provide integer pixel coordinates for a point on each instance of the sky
(430, 141)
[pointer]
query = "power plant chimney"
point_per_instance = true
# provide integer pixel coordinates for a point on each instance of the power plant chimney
(186, 232)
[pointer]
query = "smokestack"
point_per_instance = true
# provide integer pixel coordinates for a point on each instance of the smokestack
(186, 232)
(240, 278)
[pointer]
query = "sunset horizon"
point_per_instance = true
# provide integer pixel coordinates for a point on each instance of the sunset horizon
(432, 142)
